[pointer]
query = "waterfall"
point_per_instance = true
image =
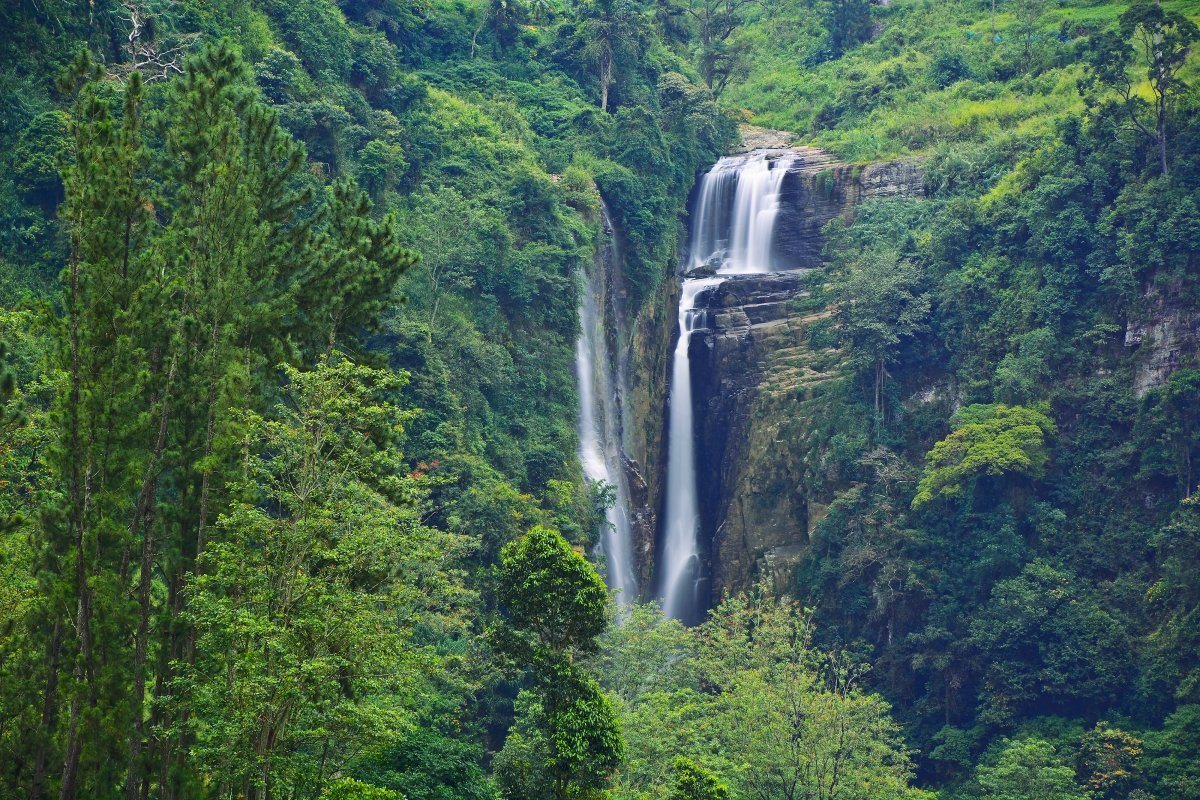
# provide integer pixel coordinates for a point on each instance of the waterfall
(600, 426)
(680, 563)
(734, 217)
(711, 215)
(733, 228)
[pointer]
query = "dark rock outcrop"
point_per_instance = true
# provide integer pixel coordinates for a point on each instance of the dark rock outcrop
(647, 352)
(749, 361)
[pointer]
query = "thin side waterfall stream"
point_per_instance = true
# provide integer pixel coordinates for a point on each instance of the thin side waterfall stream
(733, 232)
(600, 422)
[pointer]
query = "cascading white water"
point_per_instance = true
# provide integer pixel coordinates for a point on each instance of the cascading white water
(736, 208)
(733, 226)
(680, 565)
(600, 434)
(711, 215)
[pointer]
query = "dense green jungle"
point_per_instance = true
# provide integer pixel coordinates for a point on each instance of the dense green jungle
(298, 492)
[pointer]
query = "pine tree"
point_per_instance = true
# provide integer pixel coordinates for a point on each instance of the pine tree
(101, 444)
(194, 273)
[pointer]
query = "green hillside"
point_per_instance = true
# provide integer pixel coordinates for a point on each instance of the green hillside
(291, 495)
(1015, 583)
(931, 74)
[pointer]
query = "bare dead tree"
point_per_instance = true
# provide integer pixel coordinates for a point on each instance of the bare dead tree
(154, 53)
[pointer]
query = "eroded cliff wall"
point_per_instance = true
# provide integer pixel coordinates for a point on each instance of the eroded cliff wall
(1162, 334)
(754, 371)
(648, 347)
(819, 188)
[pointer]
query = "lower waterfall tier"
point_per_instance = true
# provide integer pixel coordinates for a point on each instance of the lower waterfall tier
(753, 369)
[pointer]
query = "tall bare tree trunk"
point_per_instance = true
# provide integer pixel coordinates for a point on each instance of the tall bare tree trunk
(78, 498)
(606, 67)
(878, 386)
(1162, 144)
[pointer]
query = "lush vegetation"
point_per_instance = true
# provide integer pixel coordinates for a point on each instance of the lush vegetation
(289, 308)
(1008, 475)
(289, 499)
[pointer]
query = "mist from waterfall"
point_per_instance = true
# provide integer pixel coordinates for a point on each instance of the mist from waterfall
(733, 228)
(737, 203)
(600, 426)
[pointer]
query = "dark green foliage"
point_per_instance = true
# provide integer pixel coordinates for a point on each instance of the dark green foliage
(882, 307)
(186, 264)
(318, 34)
(427, 765)
(39, 157)
(1028, 769)
(399, 19)
(8, 382)
(10, 418)
(1051, 646)
(1170, 754)
(552, 592)
(1176, 600)
(583, 742)
(1168, 433)
(948, 67)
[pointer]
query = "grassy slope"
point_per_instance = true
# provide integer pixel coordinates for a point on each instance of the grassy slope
(883, 99)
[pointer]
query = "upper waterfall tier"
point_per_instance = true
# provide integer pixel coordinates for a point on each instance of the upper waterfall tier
(765, 210)
(737, 205)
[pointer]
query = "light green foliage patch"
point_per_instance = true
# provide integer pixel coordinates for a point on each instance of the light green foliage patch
(988, 440)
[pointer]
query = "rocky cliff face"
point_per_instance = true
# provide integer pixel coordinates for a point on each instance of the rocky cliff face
(818, 188)
(648, 350)
(1163, 335)
(752, 371)
(638, 346)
